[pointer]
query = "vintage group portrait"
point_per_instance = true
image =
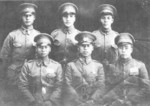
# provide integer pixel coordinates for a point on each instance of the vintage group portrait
(74, 53)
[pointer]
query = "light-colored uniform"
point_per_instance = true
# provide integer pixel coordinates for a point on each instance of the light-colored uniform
(41, 81)
(65, 44)
(105, 47)
(85, 80)
(128, 82)
(128, 78)
(17, 47)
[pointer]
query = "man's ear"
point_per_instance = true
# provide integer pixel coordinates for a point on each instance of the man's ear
(132, 48)
(112, 19)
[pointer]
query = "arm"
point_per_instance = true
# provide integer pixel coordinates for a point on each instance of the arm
(68, 78)
(59, 78)
(24, 84)
(100, 84)
(6, 51)
(112, 54)
(143, 72)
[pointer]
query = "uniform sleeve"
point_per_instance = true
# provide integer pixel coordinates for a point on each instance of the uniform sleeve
(100, 84)
(96, 43)
(54, 33)
(24, 84)
(68, 76)
(71, 92)
(6, 50)
(143, 72)
(112, 54)
(57, 92)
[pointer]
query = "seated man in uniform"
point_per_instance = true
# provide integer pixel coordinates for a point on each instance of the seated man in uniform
(40, 79)
(128, 77)
(84, 76)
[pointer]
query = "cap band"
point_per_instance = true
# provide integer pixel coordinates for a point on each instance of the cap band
(61, 7)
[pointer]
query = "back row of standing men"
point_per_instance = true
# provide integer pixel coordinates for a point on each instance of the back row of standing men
(78, 80)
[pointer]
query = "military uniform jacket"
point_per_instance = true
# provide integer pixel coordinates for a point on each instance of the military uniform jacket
(85, 75)
(17, 47)
(64, 44)
(105, 46)
(41, 81)
(127, 80)
(125, 68)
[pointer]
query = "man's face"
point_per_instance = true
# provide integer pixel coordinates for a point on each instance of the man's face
(28, 19)
(125, 50)
(106, 21)
(43, 50)
(85, 49)
(68, 16)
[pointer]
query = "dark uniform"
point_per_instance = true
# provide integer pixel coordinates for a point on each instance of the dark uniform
(105, 50)
(64, 38)
(40, 80)
(85, 80)
(16, 48)
(128, 79)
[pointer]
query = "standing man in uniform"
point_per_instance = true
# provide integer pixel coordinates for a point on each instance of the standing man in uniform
(17, 48)
(105, 50)
(105, 47)
(84, 76)
(41, 78)
(128, 77)
(64, 37)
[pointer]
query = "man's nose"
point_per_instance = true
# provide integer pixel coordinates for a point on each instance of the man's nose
(68, 17)
(85, 47)
(123, 49)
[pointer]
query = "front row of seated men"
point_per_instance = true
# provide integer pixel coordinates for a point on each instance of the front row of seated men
(83, 83)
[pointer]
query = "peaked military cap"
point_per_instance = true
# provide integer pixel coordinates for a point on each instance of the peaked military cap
(27, 8)
(85, 37)
(61, 7)
(124, 38)
(107, 8)
(43, 39)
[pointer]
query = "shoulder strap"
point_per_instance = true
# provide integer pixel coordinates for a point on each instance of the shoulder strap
(75, 66)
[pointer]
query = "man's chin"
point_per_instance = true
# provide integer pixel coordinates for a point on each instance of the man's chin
(68, 25)
(27, 24)
(124, 57)
(43, 55)
(85, 55)
(105, 27)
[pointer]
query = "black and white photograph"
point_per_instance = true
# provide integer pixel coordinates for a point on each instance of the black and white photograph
(74, 52)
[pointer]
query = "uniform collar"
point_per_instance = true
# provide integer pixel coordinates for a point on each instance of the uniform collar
(26, 31)
(68, 30)
(43, 62)
(104, 31)
(125, 61)
(85, 61)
